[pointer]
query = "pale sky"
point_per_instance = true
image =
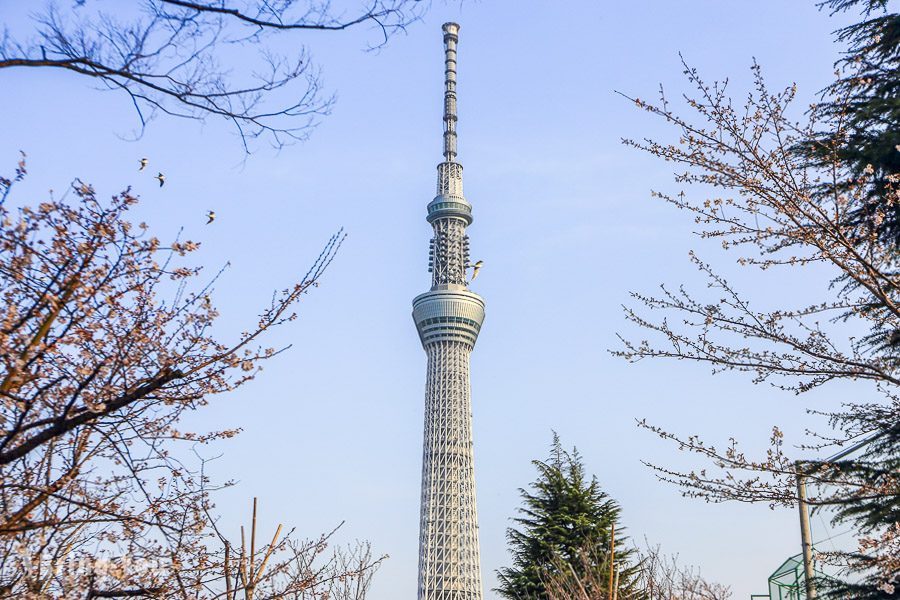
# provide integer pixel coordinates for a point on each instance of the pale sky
(563, 220)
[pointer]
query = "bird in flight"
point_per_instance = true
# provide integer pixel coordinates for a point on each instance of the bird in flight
(211, 216)
(475, 268)
(144, 162)
(161, 178)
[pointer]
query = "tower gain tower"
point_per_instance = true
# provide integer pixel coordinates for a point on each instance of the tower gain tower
(448, 318)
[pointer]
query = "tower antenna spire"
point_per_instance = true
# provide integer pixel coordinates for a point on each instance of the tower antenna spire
(451, 37)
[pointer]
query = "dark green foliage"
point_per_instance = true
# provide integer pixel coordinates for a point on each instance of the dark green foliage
(871, 505)
(864, 106)
(564, 519)
(866, 7)
(862, 132)
(859, 139)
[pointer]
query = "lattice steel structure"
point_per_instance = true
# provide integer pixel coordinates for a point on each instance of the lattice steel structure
(448, 319)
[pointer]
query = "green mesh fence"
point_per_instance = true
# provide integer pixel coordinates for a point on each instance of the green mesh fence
(787, 582)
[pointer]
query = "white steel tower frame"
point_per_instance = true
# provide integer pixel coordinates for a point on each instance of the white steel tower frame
(448, 318)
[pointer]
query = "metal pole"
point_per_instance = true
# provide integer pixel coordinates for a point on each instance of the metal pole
(805, 534)
(615, 592)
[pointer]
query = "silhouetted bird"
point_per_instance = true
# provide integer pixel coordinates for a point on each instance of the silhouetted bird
(475, 268)
(143, 164)
(161, 178)
(211, 215)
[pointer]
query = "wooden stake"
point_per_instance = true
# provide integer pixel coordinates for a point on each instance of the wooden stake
(268, 553)
(612, 557)
(251, 585)
(243, 565)
(253, 536)
(228, 593)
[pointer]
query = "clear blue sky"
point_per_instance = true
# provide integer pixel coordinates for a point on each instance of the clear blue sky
(563, 221)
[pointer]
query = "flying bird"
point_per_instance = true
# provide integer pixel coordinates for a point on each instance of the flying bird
(161, 178)
(211, 216)
(475, 268)
(143, 164)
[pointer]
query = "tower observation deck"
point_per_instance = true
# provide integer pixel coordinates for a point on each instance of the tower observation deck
(448, 318)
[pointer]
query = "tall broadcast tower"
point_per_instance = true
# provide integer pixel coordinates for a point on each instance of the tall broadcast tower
(449, 318)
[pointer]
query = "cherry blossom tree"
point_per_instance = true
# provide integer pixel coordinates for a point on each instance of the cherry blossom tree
(748, 188)
(106, 342)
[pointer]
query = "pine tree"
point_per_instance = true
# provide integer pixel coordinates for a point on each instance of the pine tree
(862, 110)
(860, 119)
(564, 520)
(872, 508)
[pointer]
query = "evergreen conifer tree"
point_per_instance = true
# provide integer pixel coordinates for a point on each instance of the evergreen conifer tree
(863, 131)
(862, 109)
(872, 508)
(565, 522)
(860, 129)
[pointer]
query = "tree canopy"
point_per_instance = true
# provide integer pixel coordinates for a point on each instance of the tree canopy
(566, 521)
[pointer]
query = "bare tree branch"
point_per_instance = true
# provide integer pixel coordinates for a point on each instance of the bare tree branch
(177, 57)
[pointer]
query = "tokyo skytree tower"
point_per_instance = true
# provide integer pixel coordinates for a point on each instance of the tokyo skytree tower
(448, 318)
